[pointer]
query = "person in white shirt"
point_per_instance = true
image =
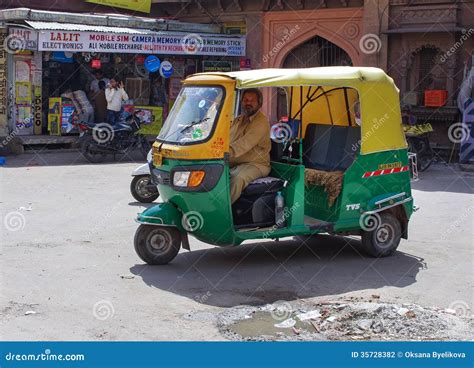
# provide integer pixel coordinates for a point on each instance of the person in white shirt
(115, 95)
(99, 76)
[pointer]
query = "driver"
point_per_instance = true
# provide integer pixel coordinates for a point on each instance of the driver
(249, 144)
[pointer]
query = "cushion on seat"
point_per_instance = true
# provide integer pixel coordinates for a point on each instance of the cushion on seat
(266, 184)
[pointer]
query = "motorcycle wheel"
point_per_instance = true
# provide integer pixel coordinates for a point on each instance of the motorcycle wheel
(138, 188)
(90, 152)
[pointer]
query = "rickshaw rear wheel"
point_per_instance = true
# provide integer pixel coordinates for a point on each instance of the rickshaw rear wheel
(157, 245)
(383, 241)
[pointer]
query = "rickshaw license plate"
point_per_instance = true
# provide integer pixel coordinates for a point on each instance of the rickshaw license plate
(157, 159)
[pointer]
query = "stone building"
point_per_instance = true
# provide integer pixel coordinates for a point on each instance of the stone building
(422, 44)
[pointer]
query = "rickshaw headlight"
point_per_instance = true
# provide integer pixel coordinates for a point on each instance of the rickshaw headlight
(181, 178)
(188, 178)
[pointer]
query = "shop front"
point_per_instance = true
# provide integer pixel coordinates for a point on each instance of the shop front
(49, 62)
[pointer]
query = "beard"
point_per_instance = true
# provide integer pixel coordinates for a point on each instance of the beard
(249, 110)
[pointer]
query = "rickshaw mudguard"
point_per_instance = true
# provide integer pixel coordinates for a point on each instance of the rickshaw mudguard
(163, 214)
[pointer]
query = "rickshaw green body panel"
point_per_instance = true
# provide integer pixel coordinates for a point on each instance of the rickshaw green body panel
(213, 223)
(377, 180)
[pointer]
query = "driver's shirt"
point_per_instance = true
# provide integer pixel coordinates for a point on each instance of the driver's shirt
(250, 140)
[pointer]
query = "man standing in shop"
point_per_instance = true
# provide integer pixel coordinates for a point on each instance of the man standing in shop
(99, 76)
(114, 94)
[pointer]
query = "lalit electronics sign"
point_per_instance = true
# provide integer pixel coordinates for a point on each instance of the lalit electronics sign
(167, 43)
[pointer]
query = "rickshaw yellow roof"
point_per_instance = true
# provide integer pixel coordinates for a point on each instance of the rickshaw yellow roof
(332, 75)
(381, 127)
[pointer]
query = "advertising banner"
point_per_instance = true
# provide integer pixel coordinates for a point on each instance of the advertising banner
(172, 43)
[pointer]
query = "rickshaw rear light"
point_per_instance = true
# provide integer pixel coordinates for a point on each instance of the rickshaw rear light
(195, 178)
(181, 178)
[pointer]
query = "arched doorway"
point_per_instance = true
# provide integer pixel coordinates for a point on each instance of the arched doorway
(315, 52)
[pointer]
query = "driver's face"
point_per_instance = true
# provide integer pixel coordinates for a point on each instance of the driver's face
(250, 103)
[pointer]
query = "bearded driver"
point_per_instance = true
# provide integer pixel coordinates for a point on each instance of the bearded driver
(249, 144)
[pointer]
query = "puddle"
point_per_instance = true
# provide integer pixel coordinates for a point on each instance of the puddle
(342, 321)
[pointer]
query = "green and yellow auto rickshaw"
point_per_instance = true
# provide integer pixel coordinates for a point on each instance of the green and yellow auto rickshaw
(339, 159)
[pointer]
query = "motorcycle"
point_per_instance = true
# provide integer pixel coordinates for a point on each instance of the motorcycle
(142, 187)
(99, 140)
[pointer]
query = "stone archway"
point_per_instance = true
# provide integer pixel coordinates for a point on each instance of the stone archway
(285, 31)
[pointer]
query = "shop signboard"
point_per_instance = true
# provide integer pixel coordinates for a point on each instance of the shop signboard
(143, 6)
(166, 69)
(216, 66)
(24, 38)
(172, 43)
(3, 84)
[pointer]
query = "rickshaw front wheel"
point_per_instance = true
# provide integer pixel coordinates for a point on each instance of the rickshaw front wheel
(383, 241)
(157, 245)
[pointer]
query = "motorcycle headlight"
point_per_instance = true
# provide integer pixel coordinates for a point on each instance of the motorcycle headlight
(188, 178)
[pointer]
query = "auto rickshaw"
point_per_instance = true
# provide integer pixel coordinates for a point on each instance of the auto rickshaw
(339, 158)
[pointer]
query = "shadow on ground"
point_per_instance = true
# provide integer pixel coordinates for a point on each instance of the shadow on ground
(265, 272)
(67, 158)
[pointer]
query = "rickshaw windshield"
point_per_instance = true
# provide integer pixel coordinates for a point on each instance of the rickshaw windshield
(193, 115)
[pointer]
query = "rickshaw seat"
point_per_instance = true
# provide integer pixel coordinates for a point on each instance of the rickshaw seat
(330, 147)
(266, 184)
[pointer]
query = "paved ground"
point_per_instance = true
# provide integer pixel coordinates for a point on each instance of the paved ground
(67, 255)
